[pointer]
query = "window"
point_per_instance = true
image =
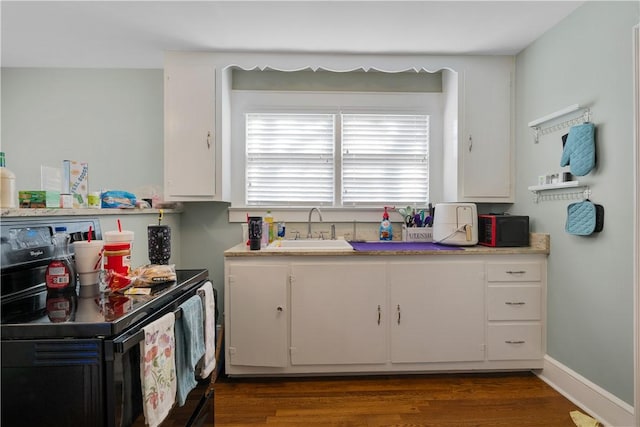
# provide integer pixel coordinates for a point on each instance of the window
(350, 159)
(289, 159)
(385, 159)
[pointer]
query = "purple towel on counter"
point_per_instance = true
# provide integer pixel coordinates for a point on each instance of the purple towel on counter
(189, 345)
(402, 246)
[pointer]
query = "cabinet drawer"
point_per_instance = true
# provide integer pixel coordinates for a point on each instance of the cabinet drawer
(515, 341)
(514, 272)
(514, 302)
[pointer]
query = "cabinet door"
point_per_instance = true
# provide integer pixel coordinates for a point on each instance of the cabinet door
(189, 115)
(257, 315)
(486, 146)
(438, 312)
(338, 313)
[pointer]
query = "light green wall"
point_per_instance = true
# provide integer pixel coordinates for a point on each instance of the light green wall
(111, 119)
(586, 59)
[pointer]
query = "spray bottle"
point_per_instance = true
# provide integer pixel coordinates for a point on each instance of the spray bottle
(386, 230)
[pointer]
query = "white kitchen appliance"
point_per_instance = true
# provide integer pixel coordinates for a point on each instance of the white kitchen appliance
(455, 224)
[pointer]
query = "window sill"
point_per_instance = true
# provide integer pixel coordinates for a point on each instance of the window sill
(301, 213)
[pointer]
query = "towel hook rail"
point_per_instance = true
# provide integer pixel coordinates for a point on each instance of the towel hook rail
(570, 195)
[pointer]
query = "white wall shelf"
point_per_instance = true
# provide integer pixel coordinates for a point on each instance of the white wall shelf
(536, 125)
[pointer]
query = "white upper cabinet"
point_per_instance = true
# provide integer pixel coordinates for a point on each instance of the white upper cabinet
(481, 157)
(190, 142)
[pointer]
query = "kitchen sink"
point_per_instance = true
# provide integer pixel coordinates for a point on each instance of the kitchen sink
(309, 245)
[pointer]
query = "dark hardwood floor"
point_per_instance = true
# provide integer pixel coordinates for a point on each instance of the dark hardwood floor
(504, 399)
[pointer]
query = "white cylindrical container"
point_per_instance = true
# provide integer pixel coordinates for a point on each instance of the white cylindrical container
(66, 201)
(8, 194)
(88, 257)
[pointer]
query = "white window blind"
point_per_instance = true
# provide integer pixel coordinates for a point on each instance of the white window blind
(385, 159)
(290, 159)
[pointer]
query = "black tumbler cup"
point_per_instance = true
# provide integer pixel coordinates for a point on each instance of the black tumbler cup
(159, 244)
(255, 232)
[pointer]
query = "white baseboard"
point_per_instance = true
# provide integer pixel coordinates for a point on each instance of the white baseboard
(593, 399)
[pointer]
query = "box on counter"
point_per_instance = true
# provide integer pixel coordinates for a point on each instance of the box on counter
(75, 181)
(38, 199)
(417, 234)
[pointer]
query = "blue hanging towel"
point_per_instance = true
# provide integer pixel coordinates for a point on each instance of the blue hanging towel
(189, 335)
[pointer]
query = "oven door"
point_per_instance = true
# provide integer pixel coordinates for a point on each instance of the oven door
(63, 382)
(124, 394)
(123, 365)
(70, 372)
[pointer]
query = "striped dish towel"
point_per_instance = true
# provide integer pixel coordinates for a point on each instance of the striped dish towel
(208, 362)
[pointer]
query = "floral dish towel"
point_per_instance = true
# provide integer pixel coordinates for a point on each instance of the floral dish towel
(158, 369)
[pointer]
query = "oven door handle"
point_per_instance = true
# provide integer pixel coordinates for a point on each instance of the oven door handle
(124, 343)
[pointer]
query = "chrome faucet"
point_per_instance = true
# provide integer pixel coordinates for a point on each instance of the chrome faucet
(309, 235)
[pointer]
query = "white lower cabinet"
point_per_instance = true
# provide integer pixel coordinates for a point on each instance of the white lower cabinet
(515, 311)
(329, 315)
(338, 313)
(256, 302)
(438, 311)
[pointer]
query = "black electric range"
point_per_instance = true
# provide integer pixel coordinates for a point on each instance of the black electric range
(68, 359)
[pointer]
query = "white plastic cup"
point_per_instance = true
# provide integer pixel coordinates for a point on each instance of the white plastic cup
(88, 257)
(245, 233)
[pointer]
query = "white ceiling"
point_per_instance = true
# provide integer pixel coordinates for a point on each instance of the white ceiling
(134, 34)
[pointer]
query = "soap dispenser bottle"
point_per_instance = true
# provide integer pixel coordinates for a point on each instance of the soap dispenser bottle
(386, 230)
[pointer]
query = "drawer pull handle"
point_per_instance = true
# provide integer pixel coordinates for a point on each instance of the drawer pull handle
(514, 303)
(280, 309)
(514, 342)
(379, 314)
(398, 314)
(516, 272)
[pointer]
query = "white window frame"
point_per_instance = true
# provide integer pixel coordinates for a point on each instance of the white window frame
(245, 101)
